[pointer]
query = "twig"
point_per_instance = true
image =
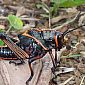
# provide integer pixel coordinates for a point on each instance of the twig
(68, 22)
(81, 19)
(49, 21)
(82, 81)
(58, 18)
(29, 19)
(27, 10)
(67, 81)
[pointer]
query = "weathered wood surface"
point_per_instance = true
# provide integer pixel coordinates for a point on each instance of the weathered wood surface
(14, 75)
(46, 71)
(17, 75)
(1, 80)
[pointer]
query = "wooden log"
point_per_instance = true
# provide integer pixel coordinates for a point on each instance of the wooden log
(17, 75)
(1, 80)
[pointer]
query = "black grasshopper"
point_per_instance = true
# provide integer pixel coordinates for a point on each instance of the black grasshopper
(33, 45)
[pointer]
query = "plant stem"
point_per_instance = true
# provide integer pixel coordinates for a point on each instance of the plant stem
(7, 32)
(49, 21)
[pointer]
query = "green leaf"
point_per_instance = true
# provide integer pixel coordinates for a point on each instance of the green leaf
(2, 30)
(15, 22)
(72, 56)
(39, 6)
(69, 3)
(54, 8)
(45, 15)
(43, 6)
(1, 43)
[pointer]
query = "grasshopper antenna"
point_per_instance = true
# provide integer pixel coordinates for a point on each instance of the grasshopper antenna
(68, 31)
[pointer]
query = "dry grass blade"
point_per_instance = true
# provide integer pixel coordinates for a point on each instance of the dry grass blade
(67, 81)
(68, 22)
(82, 83)
(28, 19)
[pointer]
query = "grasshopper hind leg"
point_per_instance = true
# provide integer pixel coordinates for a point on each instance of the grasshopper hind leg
(32, 73)
(30, 66)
